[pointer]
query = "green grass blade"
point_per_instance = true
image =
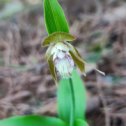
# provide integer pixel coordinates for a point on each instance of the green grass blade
(55, 19)
(32, 120)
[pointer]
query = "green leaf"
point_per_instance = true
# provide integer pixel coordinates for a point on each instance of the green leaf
(55, 19)
(80, 122)
(65, 98)
(79, 95)
(32, 120)
(58, 37)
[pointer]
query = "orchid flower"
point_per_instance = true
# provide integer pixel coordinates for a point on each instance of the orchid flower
(61, 55)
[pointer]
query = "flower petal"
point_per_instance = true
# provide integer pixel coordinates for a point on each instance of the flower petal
(74, 50)
(78, 61)
(48, 52)
(52, 69)
(76, 57)
(58, 37)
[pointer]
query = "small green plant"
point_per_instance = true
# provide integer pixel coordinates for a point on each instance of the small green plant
(61, 57)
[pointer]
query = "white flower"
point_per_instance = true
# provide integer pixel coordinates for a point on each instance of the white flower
(62, 56)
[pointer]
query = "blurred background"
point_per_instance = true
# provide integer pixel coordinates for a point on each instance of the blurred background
(26, 85)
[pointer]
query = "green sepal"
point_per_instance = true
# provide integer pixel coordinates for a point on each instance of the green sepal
(48, 52)
(78, 61)
(76, 57)
(74, 50)
(32, 120)
(55, 19)
(58, 37)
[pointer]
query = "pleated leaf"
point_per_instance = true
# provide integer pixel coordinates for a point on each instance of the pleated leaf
(65, 96)
(55, 19)
(64, 100)
(79, 95)
(32, 120)
(58, 37)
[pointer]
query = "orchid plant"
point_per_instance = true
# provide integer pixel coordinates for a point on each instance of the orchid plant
(63, 59)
